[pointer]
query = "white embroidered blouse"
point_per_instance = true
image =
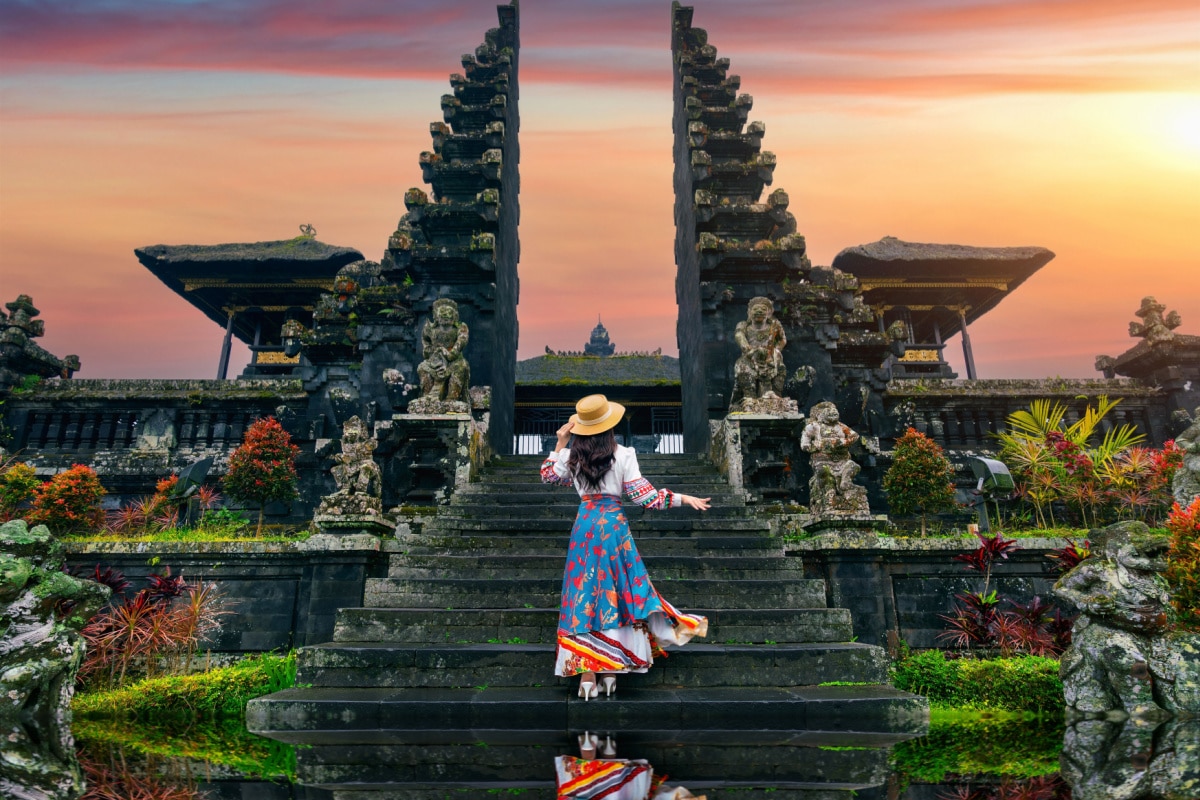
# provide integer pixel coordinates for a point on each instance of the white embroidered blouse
(623, 478)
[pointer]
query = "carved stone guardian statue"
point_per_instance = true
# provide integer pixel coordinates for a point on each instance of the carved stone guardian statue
(759, 373)
(832, 491)
(359, 482)
(445, 374)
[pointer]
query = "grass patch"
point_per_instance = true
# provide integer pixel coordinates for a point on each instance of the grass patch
(964, 743)
(1020, 683)
(220, 693)
(223, 742)
(282, 534)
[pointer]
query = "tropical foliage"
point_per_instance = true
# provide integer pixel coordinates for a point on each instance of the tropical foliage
(159, 628)
(921, 478)
(1088, 471)
(263, 468)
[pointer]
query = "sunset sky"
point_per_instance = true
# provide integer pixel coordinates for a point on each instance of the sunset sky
(1069, 124)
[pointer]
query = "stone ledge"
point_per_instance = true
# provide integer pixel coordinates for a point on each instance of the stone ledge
(905, 544)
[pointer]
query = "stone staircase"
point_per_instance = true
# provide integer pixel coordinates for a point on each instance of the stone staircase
(459, 633)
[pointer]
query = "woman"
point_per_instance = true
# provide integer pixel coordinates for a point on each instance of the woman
(611, 620)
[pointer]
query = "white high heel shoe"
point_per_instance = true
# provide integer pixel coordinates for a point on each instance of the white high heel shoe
(588, 689)
(609, 682)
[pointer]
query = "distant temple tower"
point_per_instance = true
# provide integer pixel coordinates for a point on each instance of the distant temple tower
(599, 345)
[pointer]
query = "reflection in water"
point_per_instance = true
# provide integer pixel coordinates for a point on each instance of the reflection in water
(37, 763)
(598, 773)
(1132, 759)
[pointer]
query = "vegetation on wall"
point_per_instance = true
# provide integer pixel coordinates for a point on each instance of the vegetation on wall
(921, 478)
(263, 469)
(1183, 565)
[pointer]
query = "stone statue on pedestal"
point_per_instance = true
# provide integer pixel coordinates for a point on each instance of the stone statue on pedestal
(359, 482)
(1186, 483)
(1122, 659)
(759, 373)
(832, 491)
(445, 374)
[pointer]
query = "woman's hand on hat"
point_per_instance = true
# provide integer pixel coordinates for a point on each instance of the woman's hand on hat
(564, 435)
(698, 503)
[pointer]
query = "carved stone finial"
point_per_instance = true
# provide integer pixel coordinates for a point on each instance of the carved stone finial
(308, 230)
(445, 374)
(1154, 327)
(832, 491)
(20, 356)
(759, 373)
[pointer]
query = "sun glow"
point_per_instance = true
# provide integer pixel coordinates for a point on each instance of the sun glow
(1183, 126)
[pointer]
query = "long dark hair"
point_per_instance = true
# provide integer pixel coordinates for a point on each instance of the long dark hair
(592, 458)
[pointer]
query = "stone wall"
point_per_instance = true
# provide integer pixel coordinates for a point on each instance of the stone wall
(904, 585)
(283, 595)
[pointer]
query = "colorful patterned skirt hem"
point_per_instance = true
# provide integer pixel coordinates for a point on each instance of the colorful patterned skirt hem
(612, 619)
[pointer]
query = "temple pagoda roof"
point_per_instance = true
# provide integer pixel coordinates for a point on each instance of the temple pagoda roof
(616, 370)
(935, 280)
(264, 282)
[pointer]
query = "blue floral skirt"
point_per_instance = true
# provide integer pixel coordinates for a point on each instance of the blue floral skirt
(611, 618)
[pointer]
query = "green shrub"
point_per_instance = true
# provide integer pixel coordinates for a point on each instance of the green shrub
(216, 694)
(1020, 683)
(18, 483)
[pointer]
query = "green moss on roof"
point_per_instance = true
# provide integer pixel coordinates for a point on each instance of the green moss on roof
(554, 370)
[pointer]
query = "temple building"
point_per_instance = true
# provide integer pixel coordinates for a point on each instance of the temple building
(646, 383)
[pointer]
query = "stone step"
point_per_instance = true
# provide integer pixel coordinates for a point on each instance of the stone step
(550, 566)
(865, 709)
(662, 523)
(546, 593)
(540, 625)
(520, 762)
(387, 665)
(527, 790)
(480, 543)
(565, 513)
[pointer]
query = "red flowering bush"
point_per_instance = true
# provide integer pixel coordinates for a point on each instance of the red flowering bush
(921, 479)
(1183, 564)
(70, 501)
(263, 468)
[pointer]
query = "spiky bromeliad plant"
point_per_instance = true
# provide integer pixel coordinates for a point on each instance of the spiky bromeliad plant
(263, 468)
(921, 478)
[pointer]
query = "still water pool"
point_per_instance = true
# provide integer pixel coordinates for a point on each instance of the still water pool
(962, 757)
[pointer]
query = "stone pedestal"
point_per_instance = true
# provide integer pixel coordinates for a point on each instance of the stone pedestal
(352, 525)
(425, 457)
(759, 454)
(845, 524)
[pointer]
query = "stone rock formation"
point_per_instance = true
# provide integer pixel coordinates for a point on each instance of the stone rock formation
(1102, 760)
(42, 610)
(759, 374)
(20, 356)
(1122, 660)
(1185, 485)
(445, 374)
(359, 482)
(832, 491)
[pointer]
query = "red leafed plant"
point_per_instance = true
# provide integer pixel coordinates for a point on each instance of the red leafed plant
(263, 468)
(1183, 564)
(921, 478)
(164, 622)
(1067, 558)
(70, 501)
(978, 620)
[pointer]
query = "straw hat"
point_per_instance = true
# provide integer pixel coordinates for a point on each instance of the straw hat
(596, 414)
